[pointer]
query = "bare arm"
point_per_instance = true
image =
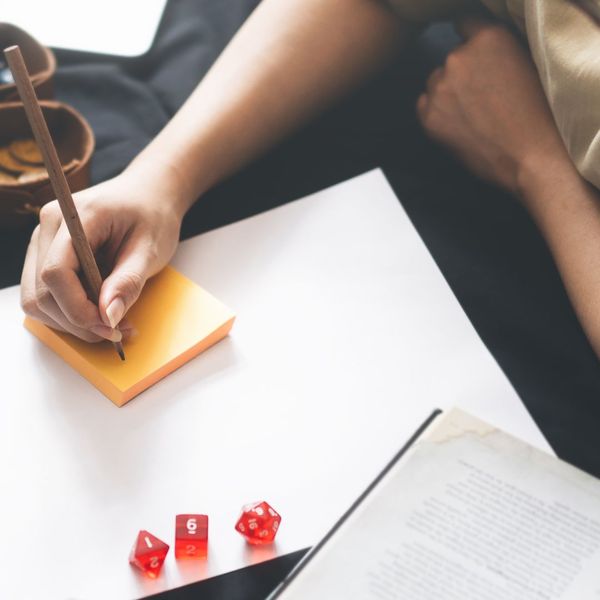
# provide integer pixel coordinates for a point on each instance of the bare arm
(487, 105)
(566, 208)
(290, 60)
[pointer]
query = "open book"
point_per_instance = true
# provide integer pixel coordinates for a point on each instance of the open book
(464, 511)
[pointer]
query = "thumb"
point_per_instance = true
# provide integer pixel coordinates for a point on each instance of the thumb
(123, 286)
(470, 25)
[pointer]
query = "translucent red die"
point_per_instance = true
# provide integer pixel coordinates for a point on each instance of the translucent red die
(258, 523)
(191, 536)
(148, 553)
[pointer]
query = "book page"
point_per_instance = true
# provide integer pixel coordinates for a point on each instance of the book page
(468, 513)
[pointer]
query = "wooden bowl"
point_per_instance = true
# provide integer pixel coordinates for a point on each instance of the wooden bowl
(74, 140)
(40, 62)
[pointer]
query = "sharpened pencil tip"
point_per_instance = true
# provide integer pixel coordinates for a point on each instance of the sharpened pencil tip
(119, 348)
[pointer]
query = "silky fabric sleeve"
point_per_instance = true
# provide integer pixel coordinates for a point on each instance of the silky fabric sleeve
(565, 45)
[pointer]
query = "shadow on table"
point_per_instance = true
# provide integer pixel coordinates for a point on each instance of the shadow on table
(250, 583)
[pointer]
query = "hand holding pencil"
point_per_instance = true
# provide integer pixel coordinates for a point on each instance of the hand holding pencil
(135, 235)
(131, 224)
(59, 182)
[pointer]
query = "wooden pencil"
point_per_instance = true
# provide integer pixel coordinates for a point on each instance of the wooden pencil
(57, 177)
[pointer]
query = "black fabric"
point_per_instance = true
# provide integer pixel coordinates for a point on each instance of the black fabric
(485, 244)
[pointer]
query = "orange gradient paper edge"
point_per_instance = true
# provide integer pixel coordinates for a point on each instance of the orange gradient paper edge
(176, 320)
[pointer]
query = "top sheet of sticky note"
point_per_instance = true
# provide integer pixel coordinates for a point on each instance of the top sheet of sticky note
(176, 320)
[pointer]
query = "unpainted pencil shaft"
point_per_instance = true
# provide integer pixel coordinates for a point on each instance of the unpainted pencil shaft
(57, 177)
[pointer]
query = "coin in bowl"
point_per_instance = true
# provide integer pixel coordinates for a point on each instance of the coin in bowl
(26, 151)
(33, 175)
(7, 178)
(9, 163)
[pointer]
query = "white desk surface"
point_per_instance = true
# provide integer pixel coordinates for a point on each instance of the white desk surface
(119, 27)
(347, 336)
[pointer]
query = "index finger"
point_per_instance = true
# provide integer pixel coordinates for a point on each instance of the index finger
(59, 273)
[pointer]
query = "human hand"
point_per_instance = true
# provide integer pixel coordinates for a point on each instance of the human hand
(133, 228)
(486, 104)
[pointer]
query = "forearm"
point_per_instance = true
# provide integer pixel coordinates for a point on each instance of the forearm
(289, 61)
(567, 211)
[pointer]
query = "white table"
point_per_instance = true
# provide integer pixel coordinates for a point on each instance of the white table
(119, 27)
(347, 336)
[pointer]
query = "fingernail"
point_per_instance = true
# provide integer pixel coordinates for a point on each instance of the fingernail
(113, 335)
(115, 311)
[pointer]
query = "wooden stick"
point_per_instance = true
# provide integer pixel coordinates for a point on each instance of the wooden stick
(57, 176)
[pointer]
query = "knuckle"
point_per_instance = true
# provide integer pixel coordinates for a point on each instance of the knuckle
(29, 305)
(454, 61)
(50, 212)
(44, 298)
(51, 273)
(442, 90)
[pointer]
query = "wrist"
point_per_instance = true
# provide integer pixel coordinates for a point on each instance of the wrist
(552, 190)
(541, 177)
(165, 180)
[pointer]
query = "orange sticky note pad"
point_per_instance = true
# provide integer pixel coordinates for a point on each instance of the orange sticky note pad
(176, 320)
